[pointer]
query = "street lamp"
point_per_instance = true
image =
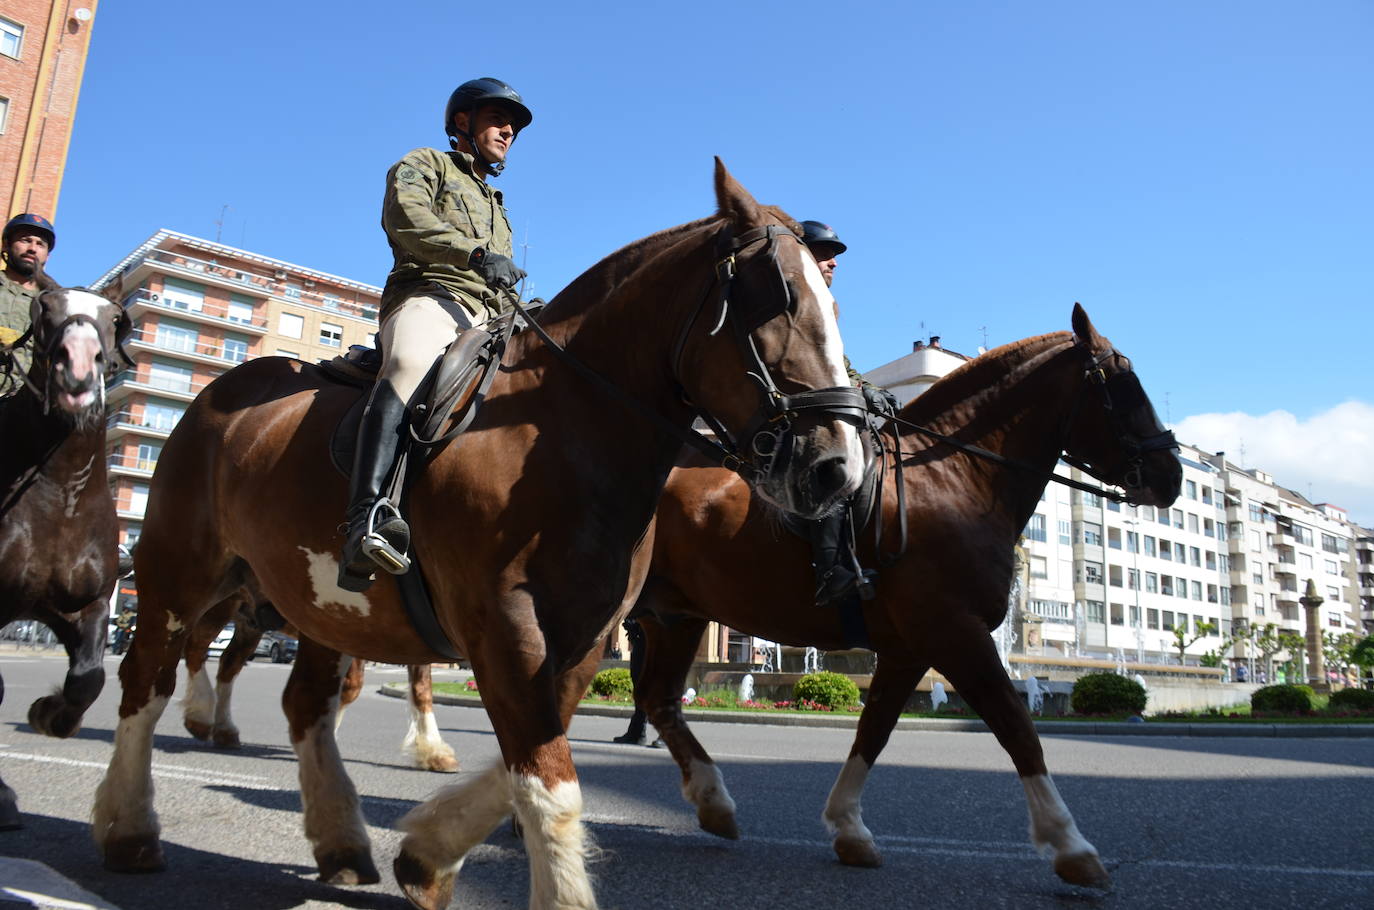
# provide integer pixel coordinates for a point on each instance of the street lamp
(1139, 623)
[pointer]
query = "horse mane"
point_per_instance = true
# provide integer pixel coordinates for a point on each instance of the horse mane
(974, 381)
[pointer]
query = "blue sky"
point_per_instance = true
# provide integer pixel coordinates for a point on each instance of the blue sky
(1198, 174)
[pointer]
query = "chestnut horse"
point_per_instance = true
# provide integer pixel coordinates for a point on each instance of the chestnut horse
(533, 526)
(58, 534)
(206, 709)
(719, 555)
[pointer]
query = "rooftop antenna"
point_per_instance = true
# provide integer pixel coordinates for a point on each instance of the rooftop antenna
(219, 222)
(984, 330)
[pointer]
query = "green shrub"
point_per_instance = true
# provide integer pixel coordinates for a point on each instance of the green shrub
(833, 690)
(1352, 700)
(1107, 693)
(1282, 699)
(614, 683)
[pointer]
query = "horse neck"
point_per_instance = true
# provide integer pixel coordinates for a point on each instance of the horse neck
(45, 441)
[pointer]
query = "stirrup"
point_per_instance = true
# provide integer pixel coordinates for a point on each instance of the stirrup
(377, 548)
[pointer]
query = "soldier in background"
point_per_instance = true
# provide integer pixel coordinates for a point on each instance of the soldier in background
(451, 241)
(27, 241)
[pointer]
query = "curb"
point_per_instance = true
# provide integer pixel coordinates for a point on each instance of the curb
(967, 725)
(29, 883)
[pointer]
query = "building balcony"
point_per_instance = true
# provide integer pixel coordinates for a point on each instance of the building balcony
(121, 423)
(142, 302)
(129, 512)
(128, 382)
(131, 465)
(209, 353)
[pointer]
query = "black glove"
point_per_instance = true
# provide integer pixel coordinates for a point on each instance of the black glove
(496, 270)
(880, 401)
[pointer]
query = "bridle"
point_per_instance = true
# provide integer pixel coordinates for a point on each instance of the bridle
(45, 345)
(1122, 394)
(765, 445)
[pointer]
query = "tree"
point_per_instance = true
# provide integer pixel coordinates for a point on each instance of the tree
(1362, 655)
(1296, 646)
(1201, 630)
(1337, 650)
(1266, 642)
(1239, 632)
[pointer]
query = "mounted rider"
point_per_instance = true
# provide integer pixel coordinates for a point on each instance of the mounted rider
(836, 580)
(28, 240)
(451, 240)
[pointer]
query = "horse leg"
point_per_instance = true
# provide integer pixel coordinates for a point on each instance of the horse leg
(198, 706)
(668, 656)
(969, 659)
(843, 815)
(333, 818)
(235, 657)
(350, 690)
(423, 743)
(60, 713)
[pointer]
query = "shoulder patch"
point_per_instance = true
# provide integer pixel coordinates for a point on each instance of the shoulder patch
(407, 174)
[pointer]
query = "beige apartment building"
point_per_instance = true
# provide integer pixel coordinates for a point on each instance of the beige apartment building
(200, 308)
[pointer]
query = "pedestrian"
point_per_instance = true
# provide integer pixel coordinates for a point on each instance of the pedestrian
(634, 733)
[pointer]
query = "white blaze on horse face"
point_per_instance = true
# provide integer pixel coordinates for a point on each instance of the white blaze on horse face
(324, 582)
(832, 348)
(80, 345)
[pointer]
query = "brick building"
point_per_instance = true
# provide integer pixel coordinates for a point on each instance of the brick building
(43, 46)
(199, 308)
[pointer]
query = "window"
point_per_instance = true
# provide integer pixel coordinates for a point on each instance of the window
(1331, 567)
(1096, 611)
(1133, 579)
(282, 352)
(11, 38)
(1113, 506)
(161, 416)
(1114, 576)
(331, 336)
(169, 378)
(372, 343)
(240, 310)
(1221, 530)
(1135, 617)
(1051, 609)
(1152, 618)
(1190, 489)
(235, 350)
(1194, 557)
(147, 455)
(1166, 585)
(1092, 573)
(1333, 544)
(1132, 542)
(1225, 596)
(1151, 583)
(290, 325)
(1147, 513)
(1212, 594)
(1192, 522)
(1256, 513)
(1256, 542)
(1035, 528)
(1092, 534)
(176, 338)
(331, 302)
(1207, 496)
(1118, 614)
(291, 291)
(1333, 594)
(1209, 527)
(1039, 567)
(183, 295)
(1223, 562)
(1149, 545)
(1178, 518)
(1302, 534)
(1210, 559)
(1168, 621)
(1114, 538)
(4, 114)
(138, 499)
(1195, 589)
(1181, 587)
(1166, 550)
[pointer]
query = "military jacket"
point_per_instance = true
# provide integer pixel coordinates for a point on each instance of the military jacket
(436, 211)
(15, 304)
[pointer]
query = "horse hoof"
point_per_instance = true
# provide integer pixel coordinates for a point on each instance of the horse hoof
(52, 716)
(134, 854)
(198, 728)
(347, 867)
(1083, 869)
(856, 851)
(422, 886)
(721, 824)
(444, 764)
(226, 739)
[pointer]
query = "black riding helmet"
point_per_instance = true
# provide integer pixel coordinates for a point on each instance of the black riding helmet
(822, 240)
(30, 220)
(473, 94)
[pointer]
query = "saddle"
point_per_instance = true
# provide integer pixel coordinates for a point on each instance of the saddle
(452, 393)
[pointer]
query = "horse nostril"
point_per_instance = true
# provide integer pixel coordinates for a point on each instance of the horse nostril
(830, 476)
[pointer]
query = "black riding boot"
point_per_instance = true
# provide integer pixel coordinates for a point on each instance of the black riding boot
(834, 580)
(377, 535)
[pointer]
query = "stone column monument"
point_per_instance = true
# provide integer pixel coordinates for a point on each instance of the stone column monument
(1316, 664)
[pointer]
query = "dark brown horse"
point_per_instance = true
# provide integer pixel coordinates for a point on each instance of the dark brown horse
(207, 708)
(720, 555)
(533, 528)
(58, 536)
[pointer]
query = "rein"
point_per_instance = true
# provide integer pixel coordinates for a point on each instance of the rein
(45, 350)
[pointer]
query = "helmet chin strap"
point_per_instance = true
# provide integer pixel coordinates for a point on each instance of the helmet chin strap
(493, 167)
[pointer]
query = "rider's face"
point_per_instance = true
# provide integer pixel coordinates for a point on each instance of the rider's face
(491, 130)
(827, 266)
(27, 251)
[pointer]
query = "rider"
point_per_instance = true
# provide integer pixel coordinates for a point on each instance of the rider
(836, 580)
(28, 240)
(451, 241)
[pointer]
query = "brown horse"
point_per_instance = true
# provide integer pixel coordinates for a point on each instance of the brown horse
(206, 709)
(533, 526)
(720, 555)
(58, 535)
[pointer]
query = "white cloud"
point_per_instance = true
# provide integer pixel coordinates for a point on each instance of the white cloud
(1329, 457)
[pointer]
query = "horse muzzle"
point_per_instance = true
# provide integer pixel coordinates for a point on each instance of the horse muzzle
(819, 469)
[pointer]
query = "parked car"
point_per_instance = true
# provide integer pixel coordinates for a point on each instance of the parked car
(221, 641)
(277, 645)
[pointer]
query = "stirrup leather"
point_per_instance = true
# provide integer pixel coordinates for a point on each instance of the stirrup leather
(376, 547)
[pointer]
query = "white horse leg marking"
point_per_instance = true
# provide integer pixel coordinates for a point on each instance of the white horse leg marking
(441, 830)
(843, 816)
(555, 841)
(423, 743)
(1052, 828)
(333, 817)
(225, 730)
(199, 707)
(124, 800)
(705, 788)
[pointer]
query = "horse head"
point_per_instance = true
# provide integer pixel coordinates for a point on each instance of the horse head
(1116, 435)
(78, 343)
(793, 423)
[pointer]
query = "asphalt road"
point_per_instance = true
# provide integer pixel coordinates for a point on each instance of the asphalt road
(1180, 822)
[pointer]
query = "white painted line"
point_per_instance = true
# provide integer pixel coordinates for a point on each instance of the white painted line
(166, 772)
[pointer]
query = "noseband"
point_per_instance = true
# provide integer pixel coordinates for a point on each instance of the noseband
(765, 445)
(1121, 395)
(45, 346)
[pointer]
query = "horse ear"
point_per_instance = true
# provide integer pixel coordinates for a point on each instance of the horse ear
(1083, 328)
(734, 201)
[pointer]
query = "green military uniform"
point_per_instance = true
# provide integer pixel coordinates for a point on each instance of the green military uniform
(437, 210)
(15, 307)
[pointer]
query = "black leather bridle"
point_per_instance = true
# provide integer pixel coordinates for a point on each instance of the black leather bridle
(46, 342)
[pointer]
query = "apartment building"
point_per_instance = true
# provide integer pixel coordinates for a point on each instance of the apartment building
(43, 45)
(200, 308)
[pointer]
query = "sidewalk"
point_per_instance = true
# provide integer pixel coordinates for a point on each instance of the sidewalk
(25, 883)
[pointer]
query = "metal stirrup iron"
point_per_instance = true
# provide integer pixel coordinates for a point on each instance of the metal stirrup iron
(377, 548)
